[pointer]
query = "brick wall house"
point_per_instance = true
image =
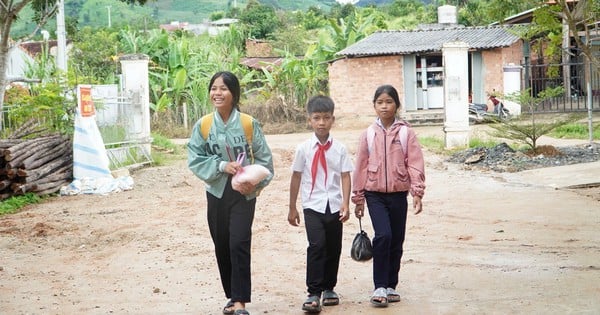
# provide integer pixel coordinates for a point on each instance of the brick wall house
(395, 57)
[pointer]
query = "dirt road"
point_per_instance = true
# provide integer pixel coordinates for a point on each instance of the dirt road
(482, 245)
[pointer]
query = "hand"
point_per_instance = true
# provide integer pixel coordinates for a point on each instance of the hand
(293, 217)
(245, 188)
(344, 214)
(232, 168)
(359, 211)
(417, 204)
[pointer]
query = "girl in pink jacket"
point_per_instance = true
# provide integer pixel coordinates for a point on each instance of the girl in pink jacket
(389, 165)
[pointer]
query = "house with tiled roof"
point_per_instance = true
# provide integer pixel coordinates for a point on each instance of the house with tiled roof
(411, 61)
(22, 55)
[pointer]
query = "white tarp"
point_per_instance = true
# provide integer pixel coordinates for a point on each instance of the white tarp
(91, 166)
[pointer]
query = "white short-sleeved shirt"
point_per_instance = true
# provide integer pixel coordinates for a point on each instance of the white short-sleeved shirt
(338, 162)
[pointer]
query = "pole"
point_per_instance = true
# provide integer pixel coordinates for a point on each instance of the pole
(588, 92)
(109, 22)
(61, 38)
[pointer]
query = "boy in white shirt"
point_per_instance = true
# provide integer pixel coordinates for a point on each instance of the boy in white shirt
(321, 171)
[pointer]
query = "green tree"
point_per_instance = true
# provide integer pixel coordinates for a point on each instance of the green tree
(261, 20)
(528, 132)
(314, 18)
(10, 12)
(93, 57)
(400, 8)
(498, 10)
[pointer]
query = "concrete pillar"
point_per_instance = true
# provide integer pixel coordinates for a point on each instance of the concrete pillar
(134, 69)
(456, 94)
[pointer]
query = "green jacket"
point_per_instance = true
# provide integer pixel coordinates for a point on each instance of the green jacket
(223, 144)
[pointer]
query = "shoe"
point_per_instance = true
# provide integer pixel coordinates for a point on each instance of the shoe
(228, 308)
(312, 304)
(392, 295)
(330, 298)
(241, 311)
(379, 297)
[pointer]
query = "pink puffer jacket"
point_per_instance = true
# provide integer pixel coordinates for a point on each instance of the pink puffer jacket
(383, 169)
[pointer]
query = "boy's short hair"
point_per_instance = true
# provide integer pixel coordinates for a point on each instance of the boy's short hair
(320, 104)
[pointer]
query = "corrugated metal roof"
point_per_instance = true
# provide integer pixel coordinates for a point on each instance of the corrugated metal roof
(431, 40)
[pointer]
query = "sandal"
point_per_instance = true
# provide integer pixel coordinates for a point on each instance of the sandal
(330, 298)
(379, 298)
(312, 304)
(241, 311)
(392, 295)
(228, 308)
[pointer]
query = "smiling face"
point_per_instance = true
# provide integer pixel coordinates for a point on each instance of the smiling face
(385, 107)
(221, 96)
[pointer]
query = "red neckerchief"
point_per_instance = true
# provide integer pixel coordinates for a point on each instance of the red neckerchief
(319, 158)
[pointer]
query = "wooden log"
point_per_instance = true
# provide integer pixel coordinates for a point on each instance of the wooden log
(5, 183)
(7, 143)
(40, 148)
(15, 150)
(11, 172)
(49, 188)
(28, 128)
(68, 167)
(48, 167)
(51, 178)
(41, 157)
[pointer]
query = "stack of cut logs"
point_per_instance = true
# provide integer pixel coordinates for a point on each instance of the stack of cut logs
(31, 160)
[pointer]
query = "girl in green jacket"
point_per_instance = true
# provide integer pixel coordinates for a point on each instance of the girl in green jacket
(214, 159)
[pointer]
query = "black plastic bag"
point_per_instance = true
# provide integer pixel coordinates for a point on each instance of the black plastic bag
(361, 250)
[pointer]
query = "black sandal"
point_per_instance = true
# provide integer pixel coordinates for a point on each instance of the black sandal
(330, 298)
(312, 304)
(228, 308)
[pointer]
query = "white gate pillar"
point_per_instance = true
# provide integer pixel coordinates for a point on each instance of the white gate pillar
(456, 90)
(134, 69)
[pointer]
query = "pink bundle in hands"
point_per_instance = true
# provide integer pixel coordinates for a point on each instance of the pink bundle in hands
(252, 173)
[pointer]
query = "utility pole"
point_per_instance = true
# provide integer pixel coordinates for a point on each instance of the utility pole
(61, 38)
(108, 8)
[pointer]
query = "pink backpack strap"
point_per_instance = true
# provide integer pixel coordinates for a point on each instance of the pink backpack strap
(403, 133)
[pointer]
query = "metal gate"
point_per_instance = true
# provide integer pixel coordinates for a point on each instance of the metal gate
(119, 116)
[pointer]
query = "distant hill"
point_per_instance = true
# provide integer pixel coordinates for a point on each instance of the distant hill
(196, 11)
(101, 13)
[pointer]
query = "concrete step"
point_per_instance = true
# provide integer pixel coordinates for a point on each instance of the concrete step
(425, 117)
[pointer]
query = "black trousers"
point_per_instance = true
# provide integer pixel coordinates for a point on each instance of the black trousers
(230, 222)
(388, 213)
(324, 234)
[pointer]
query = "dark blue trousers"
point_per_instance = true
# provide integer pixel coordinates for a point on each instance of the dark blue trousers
(324, 234)
(230, 222)
(388, 214)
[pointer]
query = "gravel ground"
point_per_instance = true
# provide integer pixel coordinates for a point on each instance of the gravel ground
(502, 158)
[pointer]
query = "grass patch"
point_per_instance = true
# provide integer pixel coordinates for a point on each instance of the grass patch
(576, 131)
(164, 150)
(487, 143)
(437, 145)
(433, 144)
(16, 203)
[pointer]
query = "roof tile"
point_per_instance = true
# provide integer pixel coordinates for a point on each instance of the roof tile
(430, 40)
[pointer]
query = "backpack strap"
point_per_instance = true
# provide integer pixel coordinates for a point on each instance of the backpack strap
(246, 121)
(403, 133)
(205, 124)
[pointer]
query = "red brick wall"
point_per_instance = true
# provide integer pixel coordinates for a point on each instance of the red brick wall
(352, 83)
(256, 48)
(494, 62)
